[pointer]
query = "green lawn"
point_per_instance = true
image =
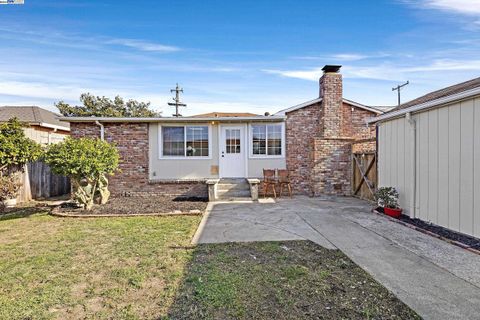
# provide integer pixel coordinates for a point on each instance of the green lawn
(143, 268)
(109, 268)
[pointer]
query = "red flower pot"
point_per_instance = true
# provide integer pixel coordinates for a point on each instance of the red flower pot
(395, 213)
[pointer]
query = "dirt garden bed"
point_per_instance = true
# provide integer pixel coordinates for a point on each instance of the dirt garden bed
(135, 205)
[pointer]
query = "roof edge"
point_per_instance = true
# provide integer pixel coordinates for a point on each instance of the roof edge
(172, 119)
(317, 100)
(427, 105)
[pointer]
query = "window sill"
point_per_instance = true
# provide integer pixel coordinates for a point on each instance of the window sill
(266, 157)
(185, 158)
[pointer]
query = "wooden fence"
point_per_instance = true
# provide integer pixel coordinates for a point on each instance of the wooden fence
(39, 182)
(44, 183)
(364, 175)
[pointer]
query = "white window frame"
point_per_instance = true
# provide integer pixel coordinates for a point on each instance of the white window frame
(185, 157)
(250, 141)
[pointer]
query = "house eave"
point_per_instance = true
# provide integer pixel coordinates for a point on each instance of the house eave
(427, 105)
(176, 119)
(53, 126)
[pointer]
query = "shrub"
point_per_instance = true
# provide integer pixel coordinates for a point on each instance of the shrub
(387, 197)
(15, 148)
(87, 162)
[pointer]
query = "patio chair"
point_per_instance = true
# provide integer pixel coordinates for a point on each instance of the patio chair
(269, 180)
(284, 181)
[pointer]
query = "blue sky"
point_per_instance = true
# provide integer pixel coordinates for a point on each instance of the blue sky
(232, 56)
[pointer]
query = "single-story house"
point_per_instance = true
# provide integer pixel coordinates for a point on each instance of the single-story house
(429, 150)
(176, 155)
(42, 126)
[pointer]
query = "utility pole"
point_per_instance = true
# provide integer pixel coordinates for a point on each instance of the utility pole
(177, 102)
(398, 88)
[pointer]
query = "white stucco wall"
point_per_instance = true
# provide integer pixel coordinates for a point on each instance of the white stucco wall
(447, 162)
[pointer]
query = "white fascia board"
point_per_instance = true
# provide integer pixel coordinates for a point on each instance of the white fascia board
(298, 106)
(361, 106)
(427, 105)
(175, 119)
(52, 126)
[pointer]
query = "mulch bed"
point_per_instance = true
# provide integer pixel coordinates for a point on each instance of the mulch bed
(138, 206)
(457, 238)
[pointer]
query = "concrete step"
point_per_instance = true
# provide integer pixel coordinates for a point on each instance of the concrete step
(233, 187)
(233, 194)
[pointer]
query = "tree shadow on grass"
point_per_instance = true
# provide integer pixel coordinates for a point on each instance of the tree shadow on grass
(280, 280)
(22, 212)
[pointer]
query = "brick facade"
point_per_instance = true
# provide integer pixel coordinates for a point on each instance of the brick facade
(319, 140)
(300, 127)
(132, 178)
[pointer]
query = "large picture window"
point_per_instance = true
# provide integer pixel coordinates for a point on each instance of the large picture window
(267, 139)
(185, 141)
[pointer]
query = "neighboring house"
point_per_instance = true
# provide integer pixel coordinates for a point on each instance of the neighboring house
(42, 125)
(429, 150)
(176, 155)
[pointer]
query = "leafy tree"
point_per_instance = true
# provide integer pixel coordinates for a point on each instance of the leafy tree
(87, 162)
(15, 148)
(104, 107)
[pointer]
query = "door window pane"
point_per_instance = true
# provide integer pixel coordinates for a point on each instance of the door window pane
(173, 141)
(197, 141)
(232, 141)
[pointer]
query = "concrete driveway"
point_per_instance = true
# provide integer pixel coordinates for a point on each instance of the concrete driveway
(436, 279)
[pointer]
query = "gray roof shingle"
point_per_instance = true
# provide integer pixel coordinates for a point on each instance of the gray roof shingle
(31, 115)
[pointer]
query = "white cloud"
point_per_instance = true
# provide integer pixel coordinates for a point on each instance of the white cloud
(343, 57)
(349, 56)
(469, 7)
(385, 71)
(143, 45)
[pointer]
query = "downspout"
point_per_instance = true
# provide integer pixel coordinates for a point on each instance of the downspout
(102, 130)
(413, 157)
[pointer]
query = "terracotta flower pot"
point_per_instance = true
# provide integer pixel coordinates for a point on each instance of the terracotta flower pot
(395, 213)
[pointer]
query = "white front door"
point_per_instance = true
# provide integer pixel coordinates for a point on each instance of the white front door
(232, 151)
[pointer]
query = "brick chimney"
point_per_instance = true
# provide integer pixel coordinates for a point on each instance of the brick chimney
(331, 92)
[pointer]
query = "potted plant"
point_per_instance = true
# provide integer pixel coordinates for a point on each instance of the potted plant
(8, 191)
(387, 198)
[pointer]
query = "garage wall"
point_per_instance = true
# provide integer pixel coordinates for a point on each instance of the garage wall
(447, 164)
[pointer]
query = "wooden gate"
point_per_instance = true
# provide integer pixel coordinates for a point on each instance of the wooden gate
(364, 175)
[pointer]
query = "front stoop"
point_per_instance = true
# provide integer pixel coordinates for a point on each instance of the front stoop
(232, 189)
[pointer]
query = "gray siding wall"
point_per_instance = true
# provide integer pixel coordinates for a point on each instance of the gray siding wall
(447, 164)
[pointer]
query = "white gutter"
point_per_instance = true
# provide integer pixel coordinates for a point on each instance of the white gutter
(454, 97)
(102, 130)
(413, 157)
